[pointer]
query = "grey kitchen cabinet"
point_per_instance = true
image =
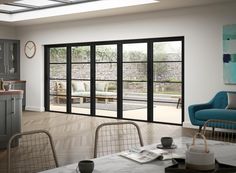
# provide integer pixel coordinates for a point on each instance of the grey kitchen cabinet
(20, 85)
(9, 59)
(10, 115)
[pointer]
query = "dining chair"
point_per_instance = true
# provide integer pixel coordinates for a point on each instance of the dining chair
(31, 152)
(221, 130)
(115, 137)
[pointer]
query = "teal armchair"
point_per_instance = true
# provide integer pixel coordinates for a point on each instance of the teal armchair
(214, 109)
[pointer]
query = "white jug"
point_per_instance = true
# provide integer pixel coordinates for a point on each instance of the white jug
(199, 157)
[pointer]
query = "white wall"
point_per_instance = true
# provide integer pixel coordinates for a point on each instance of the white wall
(201, 27)
(7, 32)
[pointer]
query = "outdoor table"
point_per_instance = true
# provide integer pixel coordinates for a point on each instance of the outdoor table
(117, 164)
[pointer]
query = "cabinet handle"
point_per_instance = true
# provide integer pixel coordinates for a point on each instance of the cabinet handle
(14, 105)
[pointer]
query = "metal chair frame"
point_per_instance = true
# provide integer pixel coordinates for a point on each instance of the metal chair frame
(222, 130)
(14, 138)
(115, 124)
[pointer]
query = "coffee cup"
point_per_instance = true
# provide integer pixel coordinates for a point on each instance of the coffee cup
(86, 166)
(166, 142)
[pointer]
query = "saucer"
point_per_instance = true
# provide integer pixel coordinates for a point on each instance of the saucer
(173, 146)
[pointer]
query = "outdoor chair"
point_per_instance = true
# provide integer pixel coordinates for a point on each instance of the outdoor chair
(179, 102)
(220, 130)
(115, 137)
(31, 152)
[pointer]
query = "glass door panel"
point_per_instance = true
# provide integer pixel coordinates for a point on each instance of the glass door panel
(167, 71)
(135, 81)
(135, 71)
(57, 78)
(167, 51)
(106, 84)
(167, 83)
(80, 74)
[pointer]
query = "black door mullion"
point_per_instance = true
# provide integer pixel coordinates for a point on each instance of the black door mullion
(150, 81)
(46, 77)
(93, 79)
(119, 81)
(182, 92)
(68, 83)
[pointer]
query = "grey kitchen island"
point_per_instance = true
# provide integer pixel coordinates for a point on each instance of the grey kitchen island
(10, 114)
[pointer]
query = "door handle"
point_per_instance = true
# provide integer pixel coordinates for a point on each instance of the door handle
(13, 106)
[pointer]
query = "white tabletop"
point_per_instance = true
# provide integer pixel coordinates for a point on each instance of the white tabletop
(117, 164)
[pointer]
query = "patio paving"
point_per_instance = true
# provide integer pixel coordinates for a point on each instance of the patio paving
(162, 113)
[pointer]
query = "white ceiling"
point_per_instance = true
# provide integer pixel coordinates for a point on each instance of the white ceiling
(162, 5)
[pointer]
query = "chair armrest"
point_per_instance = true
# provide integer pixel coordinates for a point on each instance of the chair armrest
(192, 109)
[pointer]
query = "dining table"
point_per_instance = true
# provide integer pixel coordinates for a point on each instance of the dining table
(115, 163)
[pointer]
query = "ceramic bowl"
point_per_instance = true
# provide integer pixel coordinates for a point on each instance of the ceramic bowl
(86, 166)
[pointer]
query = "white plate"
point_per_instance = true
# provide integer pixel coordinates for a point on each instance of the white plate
(160, 146)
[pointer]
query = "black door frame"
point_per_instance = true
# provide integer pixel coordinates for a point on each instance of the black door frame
(119, 44)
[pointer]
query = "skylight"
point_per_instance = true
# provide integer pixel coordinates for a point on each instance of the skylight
(20, 10)
(18, 6)
(37, 3)
(10, 8)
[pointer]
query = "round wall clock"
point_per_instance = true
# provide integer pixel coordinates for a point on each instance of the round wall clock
(30, 49)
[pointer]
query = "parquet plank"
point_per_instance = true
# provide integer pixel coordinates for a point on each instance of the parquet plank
(74, 134)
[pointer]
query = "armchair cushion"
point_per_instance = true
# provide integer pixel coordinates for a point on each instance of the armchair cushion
(219, 114)
(231, 101)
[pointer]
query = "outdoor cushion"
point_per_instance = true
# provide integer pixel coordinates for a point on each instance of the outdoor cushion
(231, 101)
(82, 94)
(78, 86)
(101, 86)
(221, 114)
(100, 93)
(87, 86)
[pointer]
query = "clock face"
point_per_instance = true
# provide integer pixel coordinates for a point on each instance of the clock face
(30, 49)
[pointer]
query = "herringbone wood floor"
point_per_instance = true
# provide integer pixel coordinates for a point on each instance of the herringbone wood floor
(73, 135)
